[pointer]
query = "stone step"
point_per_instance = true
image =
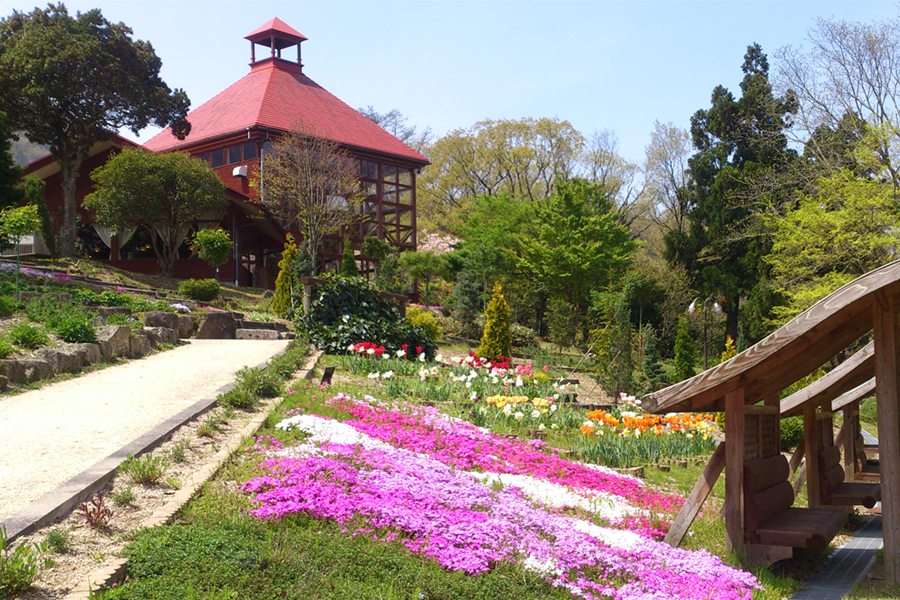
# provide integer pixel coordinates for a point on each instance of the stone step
(256, 334)
(245, 324)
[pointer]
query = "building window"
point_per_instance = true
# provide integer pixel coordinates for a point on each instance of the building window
(234, 154)
(249, 150)
(216, 158)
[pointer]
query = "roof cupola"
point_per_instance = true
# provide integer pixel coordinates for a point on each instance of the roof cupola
(276, 35)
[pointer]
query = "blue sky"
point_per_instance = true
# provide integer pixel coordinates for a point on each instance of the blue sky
(600, 65)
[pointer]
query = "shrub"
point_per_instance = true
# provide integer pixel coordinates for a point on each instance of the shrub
(346, 311)
(424, 318)
(28, 336)
(202, 290)
(6, 348)
(8, 306)
(496, 340)
(238, 398)
(214, 246)
(148, 469)
(20, 567)
(261, 383)
(75, 329)
(791, 432)
(522, 336)
(348, 261)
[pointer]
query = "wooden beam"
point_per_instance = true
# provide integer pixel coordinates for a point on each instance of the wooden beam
(886, 391)
(801, 478)
(734, 470)
(849, 374)
(698, 496)
(811, 437)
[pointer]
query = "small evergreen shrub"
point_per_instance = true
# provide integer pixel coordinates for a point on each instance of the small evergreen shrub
(420, 317)
(29, 337)
(75, 329)
(8, 306)
(496, 341)
(348, 261)
(201, 290)
(287, 280)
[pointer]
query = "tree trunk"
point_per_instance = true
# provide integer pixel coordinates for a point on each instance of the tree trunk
(68, 175)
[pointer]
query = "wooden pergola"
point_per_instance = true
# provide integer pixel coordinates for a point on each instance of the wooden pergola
(748, 388)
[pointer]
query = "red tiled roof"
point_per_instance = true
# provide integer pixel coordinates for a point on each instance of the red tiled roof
(276, 95)
(275, 25)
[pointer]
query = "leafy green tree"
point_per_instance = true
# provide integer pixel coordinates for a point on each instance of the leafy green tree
(424, 267)
(620, 370)
(579, 246)
(70, 82)
(497, 340)
(10, 194)
(849, 228)
(287, 279)
(161, 192)
(213, 246)
(348, 261)
(738, 141)
(685, 353)
(16, 222)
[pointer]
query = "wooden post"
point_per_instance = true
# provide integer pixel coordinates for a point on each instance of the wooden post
(811, 441)
(698, 496)
(307, 297)
(847, 439)
(734, 470)
(886, 389)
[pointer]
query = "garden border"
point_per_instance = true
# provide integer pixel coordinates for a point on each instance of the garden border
(113, 571)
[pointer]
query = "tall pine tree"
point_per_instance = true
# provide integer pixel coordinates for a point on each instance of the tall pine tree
(739, 142)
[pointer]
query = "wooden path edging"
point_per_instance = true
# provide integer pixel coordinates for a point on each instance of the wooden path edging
(113, 571)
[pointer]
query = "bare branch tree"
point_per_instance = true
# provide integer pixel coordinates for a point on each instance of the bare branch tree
(665, 175)
(311, 184)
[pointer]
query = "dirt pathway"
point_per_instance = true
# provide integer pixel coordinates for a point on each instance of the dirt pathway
(48, 436)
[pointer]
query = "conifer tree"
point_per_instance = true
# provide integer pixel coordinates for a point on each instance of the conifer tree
(348, 261)
(497, 340)
(652, 376)
(287, 279)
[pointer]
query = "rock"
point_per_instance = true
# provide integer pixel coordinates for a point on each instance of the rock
(4, 382)
(37, 369)
(159, 318)
(258, 325)
(160, 335)
(62, 359)
(256, 334)
(217, 326)
(286, 335)
(13, 370)
(140, 344)
(185, 326)
(105, 311)
(90, 353)
(114, 340)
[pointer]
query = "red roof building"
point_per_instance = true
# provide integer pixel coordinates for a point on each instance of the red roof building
(234, 128)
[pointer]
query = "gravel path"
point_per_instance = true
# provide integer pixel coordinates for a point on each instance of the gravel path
(48, 436)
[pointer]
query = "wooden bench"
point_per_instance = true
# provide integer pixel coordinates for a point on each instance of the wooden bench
(867, 469)
(834, 491)
(769, 517)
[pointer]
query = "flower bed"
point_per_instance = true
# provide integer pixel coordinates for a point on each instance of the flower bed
(471, 499)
